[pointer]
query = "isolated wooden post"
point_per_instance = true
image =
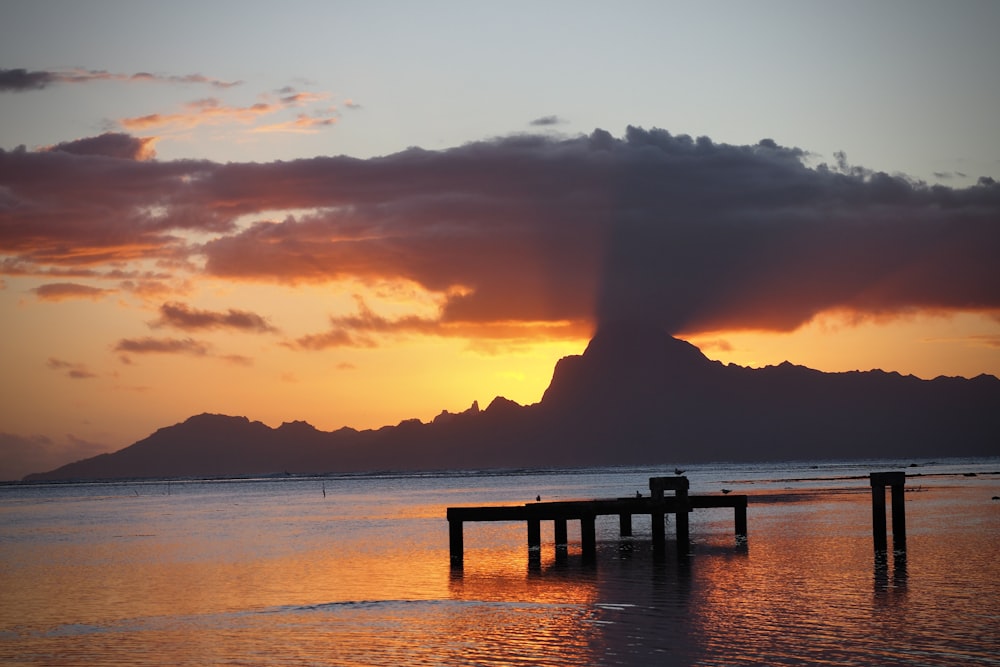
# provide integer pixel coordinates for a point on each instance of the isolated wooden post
(896, 480)
(898, 515)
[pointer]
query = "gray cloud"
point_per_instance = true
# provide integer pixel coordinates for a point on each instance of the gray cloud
(546, 120)
(161, 346)
(21, 80)
(182, 316)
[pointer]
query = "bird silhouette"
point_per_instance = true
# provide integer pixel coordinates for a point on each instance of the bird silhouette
(678, 471)
(726, 490)
(538, 498)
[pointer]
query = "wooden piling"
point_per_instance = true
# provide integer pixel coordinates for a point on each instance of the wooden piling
(679, 485)
(895, 480)
(560, 532)
(625, 524)
(534, 534)
(898, 517)
(588, 536)
(740, 520)
(456, 547)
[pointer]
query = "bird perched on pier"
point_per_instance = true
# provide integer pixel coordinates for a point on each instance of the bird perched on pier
(678, 471)
(724, 491)
(538, 499)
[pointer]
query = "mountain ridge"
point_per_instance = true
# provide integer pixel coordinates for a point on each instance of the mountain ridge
(635, 396)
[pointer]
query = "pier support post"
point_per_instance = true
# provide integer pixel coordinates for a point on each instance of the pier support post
(456, 545)
(534, 534)
(625, 524)
(560, 532)
(659, 532)
(561, 540)
(680, 486)
(588, 536)
(683, 526)
(895, 480)
(740, 512)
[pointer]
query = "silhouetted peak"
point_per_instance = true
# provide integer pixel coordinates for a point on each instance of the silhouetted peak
(501, 405)
(297, 426)
(207, 418)
(631, 343)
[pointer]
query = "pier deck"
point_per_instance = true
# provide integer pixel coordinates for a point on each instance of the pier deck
(657, 506)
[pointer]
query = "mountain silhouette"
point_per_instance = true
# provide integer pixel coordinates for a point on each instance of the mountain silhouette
(635, 396)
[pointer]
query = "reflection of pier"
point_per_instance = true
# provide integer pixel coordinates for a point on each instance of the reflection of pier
(657, 506)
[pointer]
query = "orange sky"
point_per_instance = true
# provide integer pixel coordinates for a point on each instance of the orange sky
(353, 292)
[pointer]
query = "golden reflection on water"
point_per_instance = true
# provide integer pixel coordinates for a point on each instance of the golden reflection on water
(365, 584)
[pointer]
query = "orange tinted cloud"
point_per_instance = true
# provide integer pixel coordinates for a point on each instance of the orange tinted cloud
(303, 123)
(695, 235)
(64, 291)
(200, 112)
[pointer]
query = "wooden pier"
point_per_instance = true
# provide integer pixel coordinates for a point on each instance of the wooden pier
(657, 506)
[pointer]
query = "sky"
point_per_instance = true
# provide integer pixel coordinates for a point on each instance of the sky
(356, 213)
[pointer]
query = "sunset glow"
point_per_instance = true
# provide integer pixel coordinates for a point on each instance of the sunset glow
(374, 238)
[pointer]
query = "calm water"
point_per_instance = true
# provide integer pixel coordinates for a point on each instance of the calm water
(274, 572)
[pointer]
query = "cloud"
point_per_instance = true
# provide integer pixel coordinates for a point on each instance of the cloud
(18, 80)
(182, 316)
(73, 370)
(111, 144)
(303, 124)
(546, 121)
(162, 346)
(366, 327)
(207, 111)
(509, 233)
(21, 80)
(63, 291)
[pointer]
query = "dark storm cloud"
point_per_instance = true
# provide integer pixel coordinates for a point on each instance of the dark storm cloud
(695, 235)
